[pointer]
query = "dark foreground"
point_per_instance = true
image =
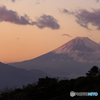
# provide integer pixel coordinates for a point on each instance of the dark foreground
(53, 89)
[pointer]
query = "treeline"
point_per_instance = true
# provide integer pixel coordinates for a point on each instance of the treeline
(53, 89)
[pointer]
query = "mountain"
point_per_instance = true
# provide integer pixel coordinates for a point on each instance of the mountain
(72, 59)
(12, 76)
(82, 49)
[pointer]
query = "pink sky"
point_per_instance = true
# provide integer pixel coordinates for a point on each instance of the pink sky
(30, 28)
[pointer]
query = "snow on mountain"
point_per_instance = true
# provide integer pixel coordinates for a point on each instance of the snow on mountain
(82, 49)
(78, 44)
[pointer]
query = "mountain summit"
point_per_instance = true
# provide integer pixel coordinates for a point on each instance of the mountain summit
(81, 49)
(78, 44)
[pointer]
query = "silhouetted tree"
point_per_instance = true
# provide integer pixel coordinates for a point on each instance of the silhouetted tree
(52, 89)
(94, 71)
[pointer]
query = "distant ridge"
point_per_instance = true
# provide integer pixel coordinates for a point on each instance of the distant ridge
(11, 76)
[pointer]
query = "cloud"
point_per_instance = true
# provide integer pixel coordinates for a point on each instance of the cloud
(13, 0)
(47, 21)
(66, 35)
(84, 17)
(97, 0)
(42, 22)
(65, 11)
(13, 17)
(39, 1)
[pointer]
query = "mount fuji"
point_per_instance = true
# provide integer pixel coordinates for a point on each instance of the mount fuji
(82, 49)
(72, 59)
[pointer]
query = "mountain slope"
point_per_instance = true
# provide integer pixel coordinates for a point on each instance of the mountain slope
(71, 59)
(11, 76)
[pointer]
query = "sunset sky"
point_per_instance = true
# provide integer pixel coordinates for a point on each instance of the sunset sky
(30, 28)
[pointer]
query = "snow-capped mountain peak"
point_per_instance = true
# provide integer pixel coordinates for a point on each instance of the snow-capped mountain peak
(78, 44)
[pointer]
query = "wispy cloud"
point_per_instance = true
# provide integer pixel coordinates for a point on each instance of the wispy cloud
(13, 0)
(38, 1)
(66, 35)
(97, 0)
(84, 17)
(42, 22)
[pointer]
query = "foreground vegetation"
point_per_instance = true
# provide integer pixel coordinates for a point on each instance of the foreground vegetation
(52, 89)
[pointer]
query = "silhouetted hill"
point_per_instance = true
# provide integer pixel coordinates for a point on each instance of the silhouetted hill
(12, 76)
(38, 72)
